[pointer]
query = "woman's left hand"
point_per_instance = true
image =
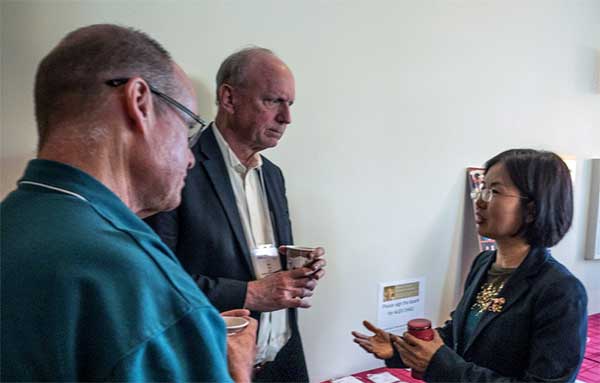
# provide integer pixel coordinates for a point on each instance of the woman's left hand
(417, 353)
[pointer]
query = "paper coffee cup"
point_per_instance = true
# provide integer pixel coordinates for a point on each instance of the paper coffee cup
(235, 324)
(298, 256)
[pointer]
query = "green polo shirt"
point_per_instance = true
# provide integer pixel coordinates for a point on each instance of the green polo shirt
(89, 292)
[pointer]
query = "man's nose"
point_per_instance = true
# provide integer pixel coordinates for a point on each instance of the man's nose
(285, 115)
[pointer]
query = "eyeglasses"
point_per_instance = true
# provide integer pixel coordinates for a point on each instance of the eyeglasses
(487, 195)
(194, 128)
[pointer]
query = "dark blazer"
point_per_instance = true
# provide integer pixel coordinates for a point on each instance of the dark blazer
(539, 335)
(206, 234)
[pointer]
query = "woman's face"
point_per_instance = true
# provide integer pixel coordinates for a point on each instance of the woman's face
(500, 218)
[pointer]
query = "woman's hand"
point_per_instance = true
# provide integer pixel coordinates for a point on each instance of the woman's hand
(378, 344)
(416, 353)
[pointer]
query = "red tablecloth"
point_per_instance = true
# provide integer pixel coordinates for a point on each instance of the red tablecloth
(590, 369)
(402, 374)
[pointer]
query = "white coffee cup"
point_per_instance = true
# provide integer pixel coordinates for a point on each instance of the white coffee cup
(235, 324)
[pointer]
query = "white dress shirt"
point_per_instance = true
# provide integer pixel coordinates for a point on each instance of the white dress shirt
(251, 199)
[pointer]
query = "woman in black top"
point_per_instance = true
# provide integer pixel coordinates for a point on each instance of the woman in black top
(522, 316)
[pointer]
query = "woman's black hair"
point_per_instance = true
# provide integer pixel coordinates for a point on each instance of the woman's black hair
(544, 178)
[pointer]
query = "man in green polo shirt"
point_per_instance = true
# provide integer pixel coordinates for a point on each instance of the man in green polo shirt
(89, 292)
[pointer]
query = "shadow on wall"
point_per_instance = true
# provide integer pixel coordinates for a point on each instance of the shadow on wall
(11, 169)
(206, 100)
(470, 243)
(463, 251)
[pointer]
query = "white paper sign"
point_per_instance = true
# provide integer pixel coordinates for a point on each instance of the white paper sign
(399, 302)
(384, 377)
(346, 379)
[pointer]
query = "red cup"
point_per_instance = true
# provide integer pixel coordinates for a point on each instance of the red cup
(420, 328)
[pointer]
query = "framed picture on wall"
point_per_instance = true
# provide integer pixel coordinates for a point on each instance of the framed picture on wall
(593, 233)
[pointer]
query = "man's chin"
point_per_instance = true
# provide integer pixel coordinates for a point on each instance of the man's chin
(165, 205)
(273, 136)
(173, 203)
(271, 142)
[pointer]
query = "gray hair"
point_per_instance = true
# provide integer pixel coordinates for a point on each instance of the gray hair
(234, 68)
(70, 80)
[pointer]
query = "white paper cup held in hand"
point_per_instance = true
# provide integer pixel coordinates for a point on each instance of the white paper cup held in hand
(235, 324)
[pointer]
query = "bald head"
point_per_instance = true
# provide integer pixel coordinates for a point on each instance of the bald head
(70, 81)
(239, 68)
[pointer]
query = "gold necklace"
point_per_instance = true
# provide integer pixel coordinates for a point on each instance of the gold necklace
(487, 298)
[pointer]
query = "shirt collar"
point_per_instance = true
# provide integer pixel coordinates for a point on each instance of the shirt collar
(229, 156)
(102, 199)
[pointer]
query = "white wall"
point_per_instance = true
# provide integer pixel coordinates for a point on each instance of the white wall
(394, 100)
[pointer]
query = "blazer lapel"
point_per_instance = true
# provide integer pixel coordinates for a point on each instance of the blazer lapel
(214, 164)
(276, 207)
(515, 287)
(460, 314)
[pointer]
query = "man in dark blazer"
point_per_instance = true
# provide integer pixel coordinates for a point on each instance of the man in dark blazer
(234, 201)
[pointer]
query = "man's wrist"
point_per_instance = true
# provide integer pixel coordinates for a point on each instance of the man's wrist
(250, 300)
(242, 377)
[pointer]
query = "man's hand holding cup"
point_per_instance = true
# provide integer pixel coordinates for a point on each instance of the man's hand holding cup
(309, 258)
(241, 344)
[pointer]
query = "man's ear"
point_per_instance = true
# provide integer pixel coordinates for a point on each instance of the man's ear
(226, 98)
(139, 106)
